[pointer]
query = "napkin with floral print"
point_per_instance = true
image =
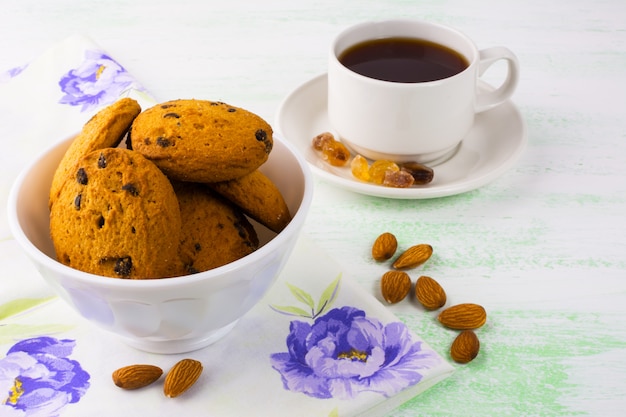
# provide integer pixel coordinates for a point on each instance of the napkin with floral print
(316, 345)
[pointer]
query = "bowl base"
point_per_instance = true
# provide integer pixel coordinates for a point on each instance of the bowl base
(170, 347)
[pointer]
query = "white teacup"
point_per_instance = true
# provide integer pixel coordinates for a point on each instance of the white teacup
(422, 121)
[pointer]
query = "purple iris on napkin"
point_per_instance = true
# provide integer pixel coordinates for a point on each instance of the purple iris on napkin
(344, 352)
(38, 378)
(99, 80)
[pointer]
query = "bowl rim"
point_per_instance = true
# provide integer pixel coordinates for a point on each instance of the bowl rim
(40, 257)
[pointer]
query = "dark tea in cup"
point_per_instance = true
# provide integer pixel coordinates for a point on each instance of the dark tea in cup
(403, 60)
(407, 90)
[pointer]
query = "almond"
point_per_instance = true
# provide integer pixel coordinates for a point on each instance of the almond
(463, 316)
(136, 376)
(384, 247)
(181, 377)
(395, 285)
(465, 347)
(414, 256)
(429, 293)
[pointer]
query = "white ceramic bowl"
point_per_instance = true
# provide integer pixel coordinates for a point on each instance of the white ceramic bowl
(171, 315)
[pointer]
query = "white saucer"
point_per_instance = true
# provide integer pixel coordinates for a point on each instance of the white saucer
(492, 146)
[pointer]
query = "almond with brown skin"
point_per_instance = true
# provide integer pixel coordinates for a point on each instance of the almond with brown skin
(414, 256)
(463, 316)
(384, 247)
(429, 293)
(181, 377)
(136, 376)
(465, 347)
(395, 286)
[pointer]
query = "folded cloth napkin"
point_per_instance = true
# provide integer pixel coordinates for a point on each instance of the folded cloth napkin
(54, 363)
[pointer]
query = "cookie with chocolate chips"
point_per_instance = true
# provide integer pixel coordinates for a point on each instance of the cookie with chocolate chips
(105, 129)
(118, 217)
(258, 197)
(214, 232)
(202, 141)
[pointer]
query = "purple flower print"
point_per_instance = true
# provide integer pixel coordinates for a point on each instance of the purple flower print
(344, 353)
(11, 73)
(38, 379)
(99, 80)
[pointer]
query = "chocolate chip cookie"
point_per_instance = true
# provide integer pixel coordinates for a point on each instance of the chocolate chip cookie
(214, 232)
(258, 197)
(202, 141)
(118, 217)
(105, 129)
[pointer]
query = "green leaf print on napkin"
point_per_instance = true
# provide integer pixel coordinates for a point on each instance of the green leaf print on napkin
(326, 300)
(10, 332)
(19, 305)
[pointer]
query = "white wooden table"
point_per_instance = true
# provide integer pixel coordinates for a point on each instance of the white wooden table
(543, 247)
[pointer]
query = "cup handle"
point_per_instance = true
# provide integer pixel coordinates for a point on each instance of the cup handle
(490, 99)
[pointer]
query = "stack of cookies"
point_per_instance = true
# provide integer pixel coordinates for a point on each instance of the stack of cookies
(175, 200)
